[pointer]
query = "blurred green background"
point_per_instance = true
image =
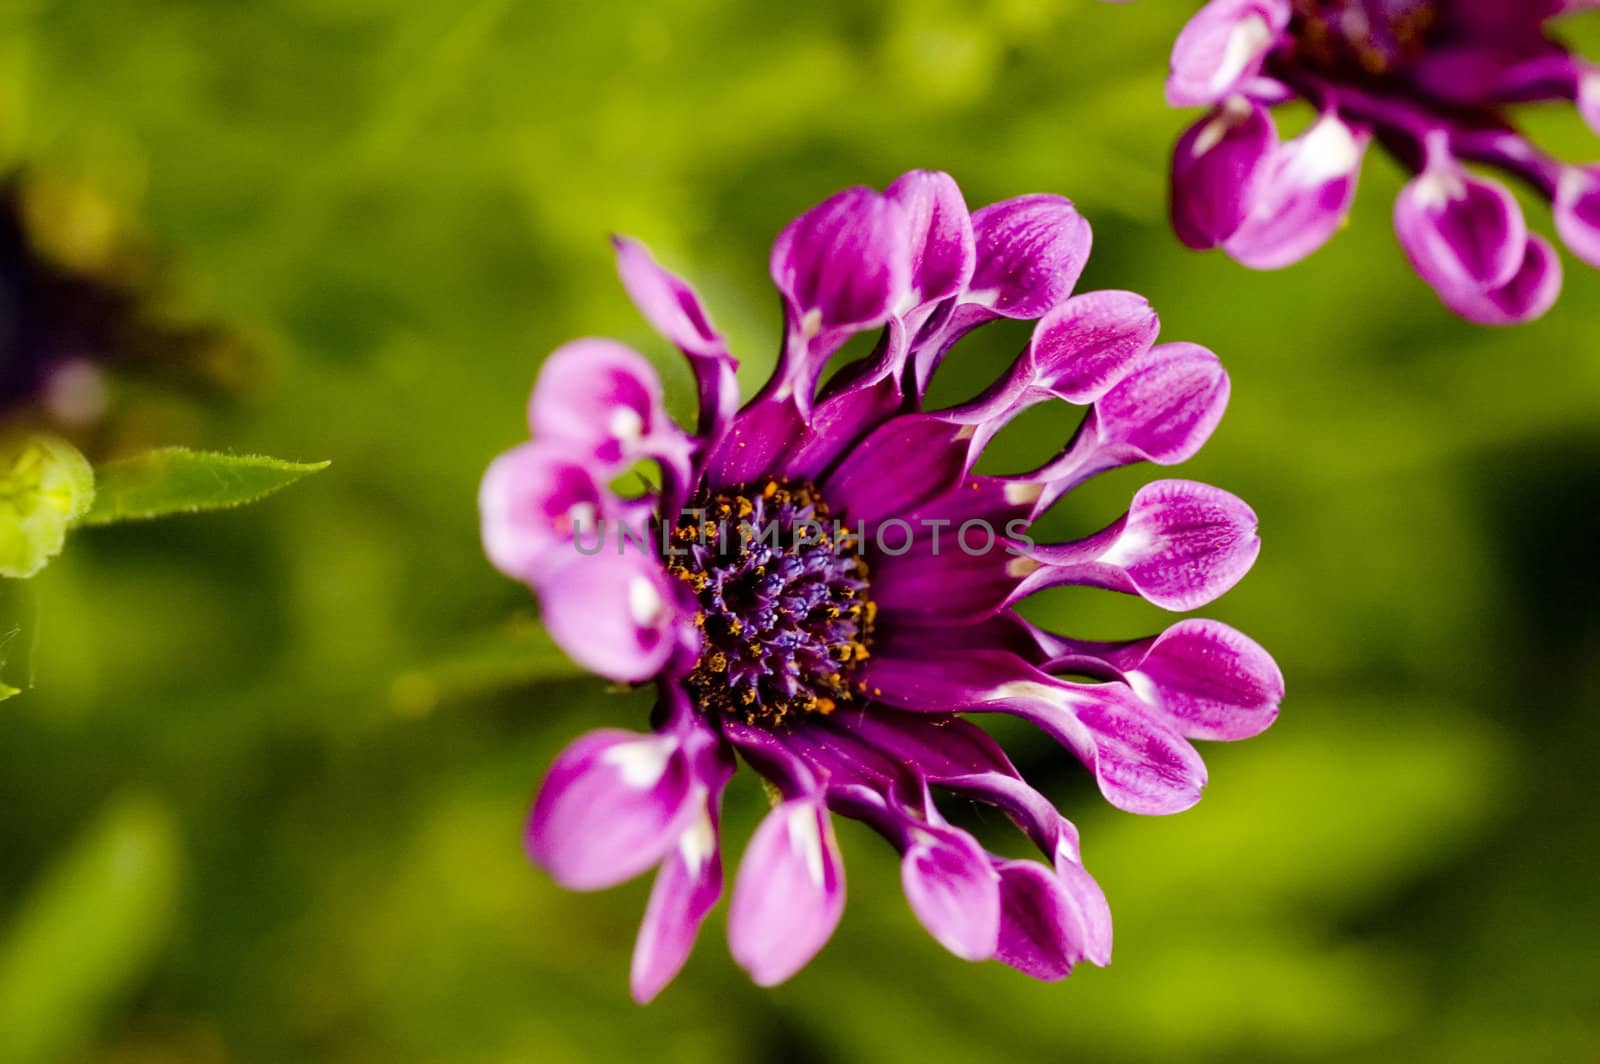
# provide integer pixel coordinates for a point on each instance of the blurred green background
(265, 802)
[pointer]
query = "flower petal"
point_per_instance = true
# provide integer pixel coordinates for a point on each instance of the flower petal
(533, 500)
(687, 886)
(605, 398)
(789, 894)
(875, 481)
(1218, 170)
(1165, 410)
(612, 804)
(1090, 915)
(1221, 48)
(940, 229)
(614, 612)
(1140, 764)
(1531, 291)
(1042, 930)
(1209, 680)
(843, 264)
(671, 306)
(1461, 233)
(953, 889)
(1305, 199)
(1181, 545)
(1087, 344)
(1031, 251)
(1577, 212)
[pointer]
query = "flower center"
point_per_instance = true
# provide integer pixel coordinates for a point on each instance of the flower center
(1362, 37)
(784, 613)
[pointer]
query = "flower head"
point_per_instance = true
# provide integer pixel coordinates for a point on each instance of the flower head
(822, 585)
(1432, 81)
(77, 293)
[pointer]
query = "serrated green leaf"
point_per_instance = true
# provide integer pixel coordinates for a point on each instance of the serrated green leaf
(45, 485)
(175, 480)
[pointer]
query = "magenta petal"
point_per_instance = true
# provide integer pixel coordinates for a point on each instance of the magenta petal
(614, 612)
(533, 499)
(1531, 291)
(1141, 765)
(1088, 910)
(1577, 212)
(1460, 232)
(672, 307)
(940, 228)
(789, 894)
(1090, 342)
(612, 804)
(604, 397)
(1031, 251)
(843, 264)
(1218, 169)
(687, 886)
(757, 441)
(1589, 97)
(875, 481)
(1213, 682)
(953, 889)
(1305, 199)
(1038, 928)
(1166, 409)
(1184, 543)
(666, 300)
(1221, 48)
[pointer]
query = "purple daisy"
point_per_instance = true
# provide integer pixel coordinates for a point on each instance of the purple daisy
(835, 638)
(1432, 81)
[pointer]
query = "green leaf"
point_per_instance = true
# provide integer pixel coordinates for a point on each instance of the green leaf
(175, 480)
(45, 486)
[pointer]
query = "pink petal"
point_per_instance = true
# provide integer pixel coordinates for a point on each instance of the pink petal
(604, 397)
(1031, 251)
(953, 889)
(789, 894)
(687, 886)
(1305, 199)
(612, 804)
(614, 612)
(940, 230)
(1221, 48)
(1461, 233)
(533, 500)
(1219, 168)
(1090, 342)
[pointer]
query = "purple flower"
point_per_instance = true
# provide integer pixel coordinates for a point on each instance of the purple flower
(1432, 81)
(74, 305)
(818, 582)
(55, 322)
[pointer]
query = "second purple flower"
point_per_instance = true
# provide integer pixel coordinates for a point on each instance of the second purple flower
(1431, 81)
(821, 585)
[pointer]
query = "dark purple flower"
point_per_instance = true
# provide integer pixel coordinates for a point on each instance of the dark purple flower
(1432, 81)
(77, 300)
(55, 322)
(822, 585)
